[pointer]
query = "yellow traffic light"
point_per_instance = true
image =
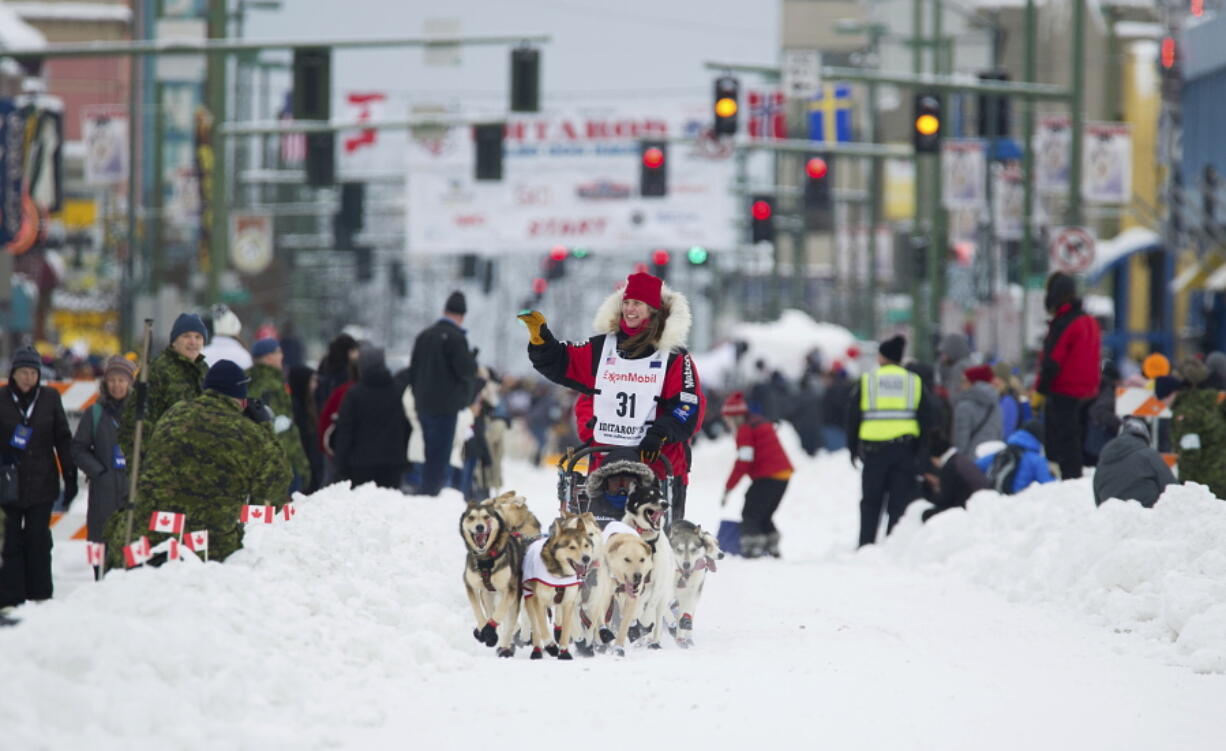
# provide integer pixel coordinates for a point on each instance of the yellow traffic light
(725, 107)
(927, 125)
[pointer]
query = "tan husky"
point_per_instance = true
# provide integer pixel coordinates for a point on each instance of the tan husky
(597, 590)
(554, 568)
(514, 509)
(492, 575)
(629, 562)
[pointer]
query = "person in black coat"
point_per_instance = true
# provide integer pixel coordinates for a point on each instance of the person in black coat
(33, 434)
(95, 447)
(958, 477)
(372, 433)
(335, 368)
(302, 384)
(443, 375)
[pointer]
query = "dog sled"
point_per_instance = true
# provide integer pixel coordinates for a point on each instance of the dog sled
(574, 473)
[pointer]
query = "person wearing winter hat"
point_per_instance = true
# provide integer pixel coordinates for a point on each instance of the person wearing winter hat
(977, 415)
(1198, 427)
(891, 414)
(953, 358)
(268, 385)
(609, 486)
(1069, 372)
(95, 447)
(206, 459)
(443, 376)
(637, 383)
(760, 456)
(1020, 463)
(224, 344)
(34, 440)
(174, 375)
(1129, 469)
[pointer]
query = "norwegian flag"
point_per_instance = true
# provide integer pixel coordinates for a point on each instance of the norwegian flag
(293, 145)
(167, 521)
(767, 115)
(257, 514)
(288, 511)
(137, 553)
(197, 541)
(95, 553)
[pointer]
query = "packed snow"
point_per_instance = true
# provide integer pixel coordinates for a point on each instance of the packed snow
(1032, 621)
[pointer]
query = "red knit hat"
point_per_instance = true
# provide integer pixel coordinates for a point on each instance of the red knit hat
(979, 373)
(735, 405)
(643, 287)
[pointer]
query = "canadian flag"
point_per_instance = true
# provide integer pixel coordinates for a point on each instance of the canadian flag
(256, 514)
(288, 511)
(95, 553)
(167, 521)
(137, 553)
(172, 552)
(197, 541)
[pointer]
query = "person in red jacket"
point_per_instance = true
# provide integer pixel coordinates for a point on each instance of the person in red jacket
(1069, 371)
(637, 383)
(759, 455)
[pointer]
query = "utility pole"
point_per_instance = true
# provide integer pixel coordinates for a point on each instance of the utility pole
(919, 310)
(1028, 64)
(937, 245)
(875, 185)
(218, 216)
(1077, 105)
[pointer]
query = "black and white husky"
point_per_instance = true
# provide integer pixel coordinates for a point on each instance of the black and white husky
(696, 551)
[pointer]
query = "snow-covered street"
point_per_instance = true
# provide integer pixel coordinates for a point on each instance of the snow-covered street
(1034, 621)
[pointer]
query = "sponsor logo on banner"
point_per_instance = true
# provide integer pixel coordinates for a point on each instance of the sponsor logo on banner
(586, 227)
(601, 190)
(631, 377)
(1107, 167)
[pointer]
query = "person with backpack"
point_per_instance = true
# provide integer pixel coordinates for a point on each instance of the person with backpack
(977, 417)
(1019, 464)
(1198, 428)
(1129, 469)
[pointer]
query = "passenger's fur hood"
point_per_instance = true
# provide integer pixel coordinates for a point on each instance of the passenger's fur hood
(676, 328)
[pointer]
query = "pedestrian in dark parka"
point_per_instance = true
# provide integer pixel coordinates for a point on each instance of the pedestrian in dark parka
(958, 477)
(1129, 469)
(95, 447)
(372, 433)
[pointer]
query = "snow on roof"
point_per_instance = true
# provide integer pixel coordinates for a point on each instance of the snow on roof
(16, 33)
(783, 344)
(1107, 252)
(101, 12)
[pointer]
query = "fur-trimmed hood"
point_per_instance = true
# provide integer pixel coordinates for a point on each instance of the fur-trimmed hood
(619, 461)
(676, 328)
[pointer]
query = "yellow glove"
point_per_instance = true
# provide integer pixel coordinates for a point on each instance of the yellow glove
(534, 320)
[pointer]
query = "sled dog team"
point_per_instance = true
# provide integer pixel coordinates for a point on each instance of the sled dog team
(580, 583)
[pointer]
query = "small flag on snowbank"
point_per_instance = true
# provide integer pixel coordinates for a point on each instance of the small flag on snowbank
(288, 511)
(167, 521)
(255, 514)
(197, 541)
(137, 553)
(95, 553)
(169, 546)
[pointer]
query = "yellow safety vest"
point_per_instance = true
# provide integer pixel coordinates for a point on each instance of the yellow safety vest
(889, 398)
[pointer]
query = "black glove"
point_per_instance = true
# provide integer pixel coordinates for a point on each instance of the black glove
(257, 412)
(852, 454)
(649, 447)
(70, 490)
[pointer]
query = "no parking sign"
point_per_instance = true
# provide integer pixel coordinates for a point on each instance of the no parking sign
(1072, 249)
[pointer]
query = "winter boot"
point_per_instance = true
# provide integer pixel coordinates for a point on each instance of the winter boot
(753, 546)
(772, 544)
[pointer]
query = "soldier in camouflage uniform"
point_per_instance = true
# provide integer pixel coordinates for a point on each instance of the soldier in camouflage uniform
(1198, 429)
(174, 375)
(206, 459)
(268, 385)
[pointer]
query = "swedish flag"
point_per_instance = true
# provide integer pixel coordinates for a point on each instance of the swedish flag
(830, 114)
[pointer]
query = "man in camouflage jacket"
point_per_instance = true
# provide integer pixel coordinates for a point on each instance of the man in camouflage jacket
(268, 385)
(1198, 429)
(174, 375)
(206, 459)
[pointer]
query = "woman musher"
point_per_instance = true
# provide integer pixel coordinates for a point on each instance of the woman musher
(637, 383)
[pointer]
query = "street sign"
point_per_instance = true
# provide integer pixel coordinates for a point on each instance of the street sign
(802, 73)
(1072, 249)
(251, 242)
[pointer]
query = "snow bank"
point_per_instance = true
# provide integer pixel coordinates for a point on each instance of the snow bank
(784, 343)
(1159, 573)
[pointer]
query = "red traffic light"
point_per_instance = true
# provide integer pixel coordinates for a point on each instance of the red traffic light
(1167, 53)
(816, 168)
(660, 257)
(539, 285)
(653, 158)
(558, 253)
(761, 210)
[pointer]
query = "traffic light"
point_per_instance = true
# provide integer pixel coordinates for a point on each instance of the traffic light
(697, 255)
(725, 105)
(488, 139)
(819, 192)
(993, 109)
(320, 160)
(926, 128)
(659, 262)
(580, 252)
(1168, 53)
(539, 286)
(397, 280)
(525, 80)
(364, 259)
(762, 214)
(653, 180)
(312, 100)
(919, 255)
(1209, 189)
(353, 205)
(555, 264)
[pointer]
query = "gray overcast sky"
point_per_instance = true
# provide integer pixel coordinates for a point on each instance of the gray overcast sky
(614, 48)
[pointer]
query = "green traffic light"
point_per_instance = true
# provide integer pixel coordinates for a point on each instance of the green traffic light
(697, 255)
(580, 252)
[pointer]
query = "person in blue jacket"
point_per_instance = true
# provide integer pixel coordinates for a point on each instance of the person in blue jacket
(1024, 465)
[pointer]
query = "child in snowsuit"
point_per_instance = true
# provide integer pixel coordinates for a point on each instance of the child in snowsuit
(759, 455)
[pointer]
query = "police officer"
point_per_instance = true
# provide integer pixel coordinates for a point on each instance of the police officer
(889, 415)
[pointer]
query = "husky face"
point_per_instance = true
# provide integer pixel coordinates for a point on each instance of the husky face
(585, 522)
(514, 510)
(572, 550)
(646, 509)
(480, 525)
(630, 562)
(692, 546)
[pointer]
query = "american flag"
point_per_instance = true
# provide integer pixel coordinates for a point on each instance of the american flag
(293, 145)
(767, 115)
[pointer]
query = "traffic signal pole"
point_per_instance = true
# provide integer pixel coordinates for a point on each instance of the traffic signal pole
(217, 214)
(1028, 65)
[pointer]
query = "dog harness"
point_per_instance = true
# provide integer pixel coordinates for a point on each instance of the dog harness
(706, 563)
(535, 571)
(485, 566)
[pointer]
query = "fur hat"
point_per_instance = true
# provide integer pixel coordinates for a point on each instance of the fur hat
(979, 374)
(225, 322)
(644, 287)
(187, 322)
(119, 364)
(227, 378)
(735, 405)
(1166, 385)
(892, 348)
(621, 460)
(265, 346)
(1155, 365)
(456, 304)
